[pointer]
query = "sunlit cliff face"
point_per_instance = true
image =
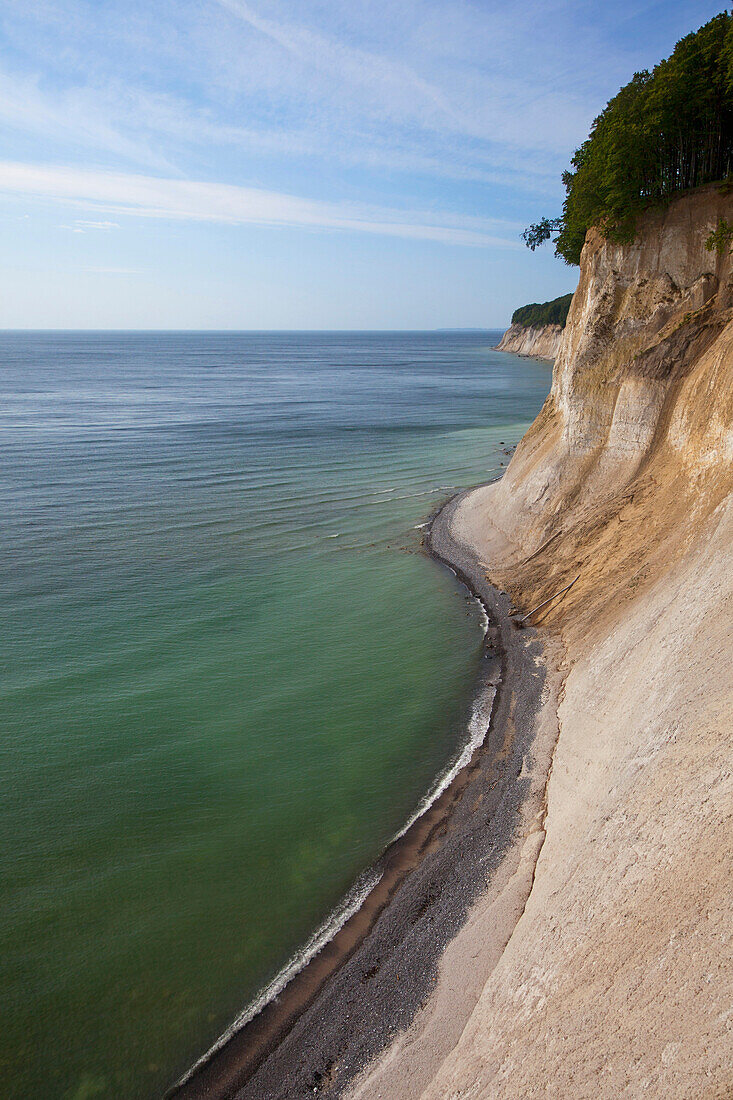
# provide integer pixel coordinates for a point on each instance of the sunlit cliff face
(624, 481)
(641, 403)
(540, 342)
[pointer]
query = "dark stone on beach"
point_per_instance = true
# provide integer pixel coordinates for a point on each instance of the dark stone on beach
(368, 983)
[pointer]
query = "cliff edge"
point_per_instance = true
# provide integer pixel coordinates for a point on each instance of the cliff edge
(536, 329)
(616, 978)
(535, 341)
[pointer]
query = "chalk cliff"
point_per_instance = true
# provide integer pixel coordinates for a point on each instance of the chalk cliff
(535, 341)
(616, 978)
(641, 386)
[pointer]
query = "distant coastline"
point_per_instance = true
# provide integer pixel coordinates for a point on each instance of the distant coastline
(534, 342)
(536, 329)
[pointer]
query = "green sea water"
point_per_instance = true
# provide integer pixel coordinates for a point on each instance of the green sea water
(229, 674)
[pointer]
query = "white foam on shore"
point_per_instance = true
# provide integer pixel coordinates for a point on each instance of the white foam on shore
(478, 727)
(325, 932)
(474, 597)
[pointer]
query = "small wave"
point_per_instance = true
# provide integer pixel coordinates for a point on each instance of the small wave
(333, 923)
(408, 496)
(478, 727)
(435, 489)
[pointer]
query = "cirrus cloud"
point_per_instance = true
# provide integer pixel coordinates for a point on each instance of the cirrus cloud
(195, 200)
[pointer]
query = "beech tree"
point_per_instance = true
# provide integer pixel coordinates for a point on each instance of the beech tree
(666, 131)
(543, 313)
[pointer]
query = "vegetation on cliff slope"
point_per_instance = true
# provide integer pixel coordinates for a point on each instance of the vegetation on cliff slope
(543, 313)
(666, 131)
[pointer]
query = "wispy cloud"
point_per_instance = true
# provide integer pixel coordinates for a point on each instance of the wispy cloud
(155, 197)
(433, 89)
(493, 92)
(424, 120)
(81, 225)
(113, 271)
(83, 117)
(357, 66)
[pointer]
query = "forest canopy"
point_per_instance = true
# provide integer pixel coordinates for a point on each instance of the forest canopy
(666, 131)
(543, 313)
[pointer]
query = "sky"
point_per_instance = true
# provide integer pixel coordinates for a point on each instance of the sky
(298, 164)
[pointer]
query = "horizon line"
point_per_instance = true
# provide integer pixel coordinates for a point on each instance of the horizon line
(442, 328)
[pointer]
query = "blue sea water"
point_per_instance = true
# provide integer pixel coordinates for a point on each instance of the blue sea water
(229, 674)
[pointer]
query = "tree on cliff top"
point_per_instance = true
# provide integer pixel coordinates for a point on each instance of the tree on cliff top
(543, 313)
(666, 131)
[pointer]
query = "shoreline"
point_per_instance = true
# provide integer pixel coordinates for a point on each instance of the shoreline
(317, 1034)
(526, 355)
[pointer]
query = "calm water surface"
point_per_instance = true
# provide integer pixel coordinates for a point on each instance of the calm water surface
(228, 674)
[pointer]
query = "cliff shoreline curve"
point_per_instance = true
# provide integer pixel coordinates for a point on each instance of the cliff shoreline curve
(564, 929)
(615, 979)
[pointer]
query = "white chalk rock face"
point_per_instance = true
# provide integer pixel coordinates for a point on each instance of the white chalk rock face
(616, 978)
(647, 321)
(613, 982)
(534, 341)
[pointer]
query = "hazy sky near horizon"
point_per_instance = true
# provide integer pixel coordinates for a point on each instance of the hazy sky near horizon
(285, 164)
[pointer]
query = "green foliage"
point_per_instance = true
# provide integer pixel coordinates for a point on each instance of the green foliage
(543, 313)
(666, 131)
(537, 234)
(721, 237)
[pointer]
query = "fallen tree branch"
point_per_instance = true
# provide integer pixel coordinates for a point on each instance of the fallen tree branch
(548, 600)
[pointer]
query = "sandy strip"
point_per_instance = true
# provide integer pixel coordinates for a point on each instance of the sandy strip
(404, 973)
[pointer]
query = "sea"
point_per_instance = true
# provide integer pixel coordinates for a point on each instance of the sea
(229, 673)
